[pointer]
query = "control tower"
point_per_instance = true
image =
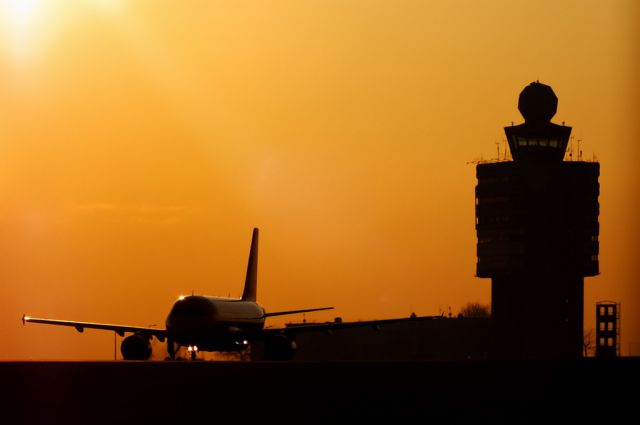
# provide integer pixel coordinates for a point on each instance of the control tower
(537, 229)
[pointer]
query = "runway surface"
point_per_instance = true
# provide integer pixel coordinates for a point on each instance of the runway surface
(299, 392)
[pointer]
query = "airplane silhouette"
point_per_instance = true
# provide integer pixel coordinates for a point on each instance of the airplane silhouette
(206, 323)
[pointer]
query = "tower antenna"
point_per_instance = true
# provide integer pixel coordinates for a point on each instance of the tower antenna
(579, 151)
(571, 148)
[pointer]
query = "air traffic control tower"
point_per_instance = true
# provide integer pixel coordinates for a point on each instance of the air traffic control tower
(537, 229)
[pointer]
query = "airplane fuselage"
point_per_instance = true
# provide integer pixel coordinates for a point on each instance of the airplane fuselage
(211, 322)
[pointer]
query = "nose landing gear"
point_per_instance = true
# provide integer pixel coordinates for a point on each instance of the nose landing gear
(193, 351)
(173, 351)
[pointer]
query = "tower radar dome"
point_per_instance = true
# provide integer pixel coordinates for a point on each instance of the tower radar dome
(537, 103)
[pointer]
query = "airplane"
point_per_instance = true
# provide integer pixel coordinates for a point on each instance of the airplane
(207, 323)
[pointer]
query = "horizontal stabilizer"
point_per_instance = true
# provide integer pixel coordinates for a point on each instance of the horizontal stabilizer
(282, 313)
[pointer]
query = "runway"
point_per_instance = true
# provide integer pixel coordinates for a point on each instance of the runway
(330, 392)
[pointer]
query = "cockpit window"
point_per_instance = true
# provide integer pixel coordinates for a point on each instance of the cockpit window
(191, 307)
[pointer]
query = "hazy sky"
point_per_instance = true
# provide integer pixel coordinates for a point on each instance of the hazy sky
(140, 142)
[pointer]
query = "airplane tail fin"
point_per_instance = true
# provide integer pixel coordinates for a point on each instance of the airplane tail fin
(251, 281)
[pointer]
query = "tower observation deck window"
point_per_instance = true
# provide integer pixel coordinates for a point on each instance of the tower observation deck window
(542, 142)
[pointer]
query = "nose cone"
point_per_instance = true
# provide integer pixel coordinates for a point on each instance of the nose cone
(191, 313)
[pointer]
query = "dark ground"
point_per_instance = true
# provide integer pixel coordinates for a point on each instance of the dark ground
(583, 391)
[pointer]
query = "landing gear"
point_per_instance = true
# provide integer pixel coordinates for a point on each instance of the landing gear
(193, 351)
(171, 349)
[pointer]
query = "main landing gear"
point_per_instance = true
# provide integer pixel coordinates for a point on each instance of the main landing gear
(171, 349)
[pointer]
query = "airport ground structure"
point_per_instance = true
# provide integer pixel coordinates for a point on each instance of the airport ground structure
(422, 339)
(537, 239)
(537, 228)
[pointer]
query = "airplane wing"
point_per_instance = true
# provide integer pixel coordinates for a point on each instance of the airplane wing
(80, 326)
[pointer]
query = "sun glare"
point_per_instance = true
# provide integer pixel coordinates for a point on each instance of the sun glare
(20, 9)
(27, 25)
(21, 25)
(21, 15)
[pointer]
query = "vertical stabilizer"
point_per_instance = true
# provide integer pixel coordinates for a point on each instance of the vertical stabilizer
(251, 281)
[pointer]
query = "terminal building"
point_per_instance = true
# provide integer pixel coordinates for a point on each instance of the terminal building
(537, 239)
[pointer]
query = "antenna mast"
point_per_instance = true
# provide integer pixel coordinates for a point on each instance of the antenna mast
(579, 151)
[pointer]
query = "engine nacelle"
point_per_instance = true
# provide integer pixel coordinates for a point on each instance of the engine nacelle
(136, 347)
(280, 347)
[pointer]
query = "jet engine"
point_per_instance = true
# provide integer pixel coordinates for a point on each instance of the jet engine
(136, 347)
(279, 347)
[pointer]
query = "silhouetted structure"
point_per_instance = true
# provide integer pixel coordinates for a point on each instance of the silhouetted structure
(537, 229)
(607, 329)
(439, 339)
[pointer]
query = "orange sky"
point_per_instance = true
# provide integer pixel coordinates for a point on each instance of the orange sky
(140, 141)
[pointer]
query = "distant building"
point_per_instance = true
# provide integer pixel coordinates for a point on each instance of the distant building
(438, 339)
(537, 229)
(607, 329)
